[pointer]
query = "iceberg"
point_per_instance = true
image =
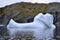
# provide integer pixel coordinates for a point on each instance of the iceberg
(42, 27)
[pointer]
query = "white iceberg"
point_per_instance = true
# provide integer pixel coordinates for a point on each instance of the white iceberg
(42, 26)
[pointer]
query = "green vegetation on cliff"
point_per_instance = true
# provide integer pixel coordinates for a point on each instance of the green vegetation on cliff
(24, 11)
(1, 12)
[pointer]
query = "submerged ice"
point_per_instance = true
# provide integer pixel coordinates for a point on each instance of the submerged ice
(42, 27)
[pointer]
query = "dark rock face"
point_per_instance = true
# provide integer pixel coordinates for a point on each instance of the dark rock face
(57, 23)
(54, 7)
(0, 20)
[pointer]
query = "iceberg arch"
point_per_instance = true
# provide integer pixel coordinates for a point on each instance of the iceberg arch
(42, 27)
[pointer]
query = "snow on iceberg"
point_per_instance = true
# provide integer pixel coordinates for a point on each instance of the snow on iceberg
(42, 27)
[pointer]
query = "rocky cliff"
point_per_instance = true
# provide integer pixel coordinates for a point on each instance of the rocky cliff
(22, 12)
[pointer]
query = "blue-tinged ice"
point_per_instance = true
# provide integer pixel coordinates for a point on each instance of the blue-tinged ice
(42, 26)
